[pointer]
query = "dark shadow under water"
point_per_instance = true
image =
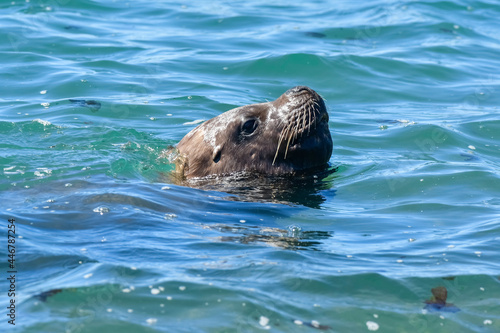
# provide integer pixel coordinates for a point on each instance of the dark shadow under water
(292, 238)
(308, 189)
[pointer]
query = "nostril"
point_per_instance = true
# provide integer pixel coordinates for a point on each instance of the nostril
(298, 89)
(302, 88)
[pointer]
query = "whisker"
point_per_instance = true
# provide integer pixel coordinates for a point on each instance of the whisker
(282, 136)
(279, 145)
(303, 115)
(296, 129)
(300, 120)
(309, 113)
(288, 144)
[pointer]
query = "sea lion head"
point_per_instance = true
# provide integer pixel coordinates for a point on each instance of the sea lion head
(286, 136)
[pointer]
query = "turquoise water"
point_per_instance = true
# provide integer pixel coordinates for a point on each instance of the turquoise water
(106, 243)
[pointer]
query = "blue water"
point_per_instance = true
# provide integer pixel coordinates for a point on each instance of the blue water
(92, 94)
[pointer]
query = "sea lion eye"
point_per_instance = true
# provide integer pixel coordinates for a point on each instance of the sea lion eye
(249, 127)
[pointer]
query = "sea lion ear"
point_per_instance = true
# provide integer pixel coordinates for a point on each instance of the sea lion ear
(216, 154)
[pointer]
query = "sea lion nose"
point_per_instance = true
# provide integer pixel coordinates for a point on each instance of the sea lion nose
(298, 89)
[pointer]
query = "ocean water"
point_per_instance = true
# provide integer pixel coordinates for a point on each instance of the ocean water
(92, 92)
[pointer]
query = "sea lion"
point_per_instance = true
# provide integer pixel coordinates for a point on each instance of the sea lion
(287, 136)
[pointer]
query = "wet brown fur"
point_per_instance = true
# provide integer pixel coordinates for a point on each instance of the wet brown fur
(291, 135)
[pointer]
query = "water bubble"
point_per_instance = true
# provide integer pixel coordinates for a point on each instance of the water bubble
(151, 321)
(42, 172)
(372, 326)
(263, 321)
(294, 231)
(101, 210)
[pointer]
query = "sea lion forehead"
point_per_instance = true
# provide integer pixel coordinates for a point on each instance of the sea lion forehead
(258, 110)
(215, 126)
(218, 127)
